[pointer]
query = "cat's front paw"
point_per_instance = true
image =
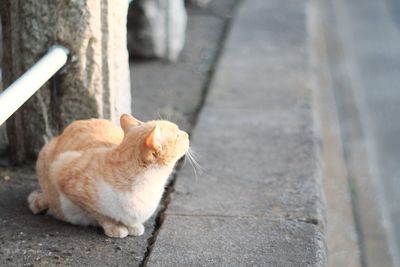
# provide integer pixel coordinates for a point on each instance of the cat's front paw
(118, 231)
(37, 202)
(136, 230)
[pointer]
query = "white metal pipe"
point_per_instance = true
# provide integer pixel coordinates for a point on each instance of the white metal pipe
(25, 86)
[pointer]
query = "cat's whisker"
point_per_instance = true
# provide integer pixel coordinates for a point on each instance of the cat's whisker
(195, 157)
(184, 161)
(166, 115)
(159, 115)
(194, 163)
(193, 166)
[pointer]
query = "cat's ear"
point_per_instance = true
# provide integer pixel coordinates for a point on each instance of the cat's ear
(153, 140)
(127, 120)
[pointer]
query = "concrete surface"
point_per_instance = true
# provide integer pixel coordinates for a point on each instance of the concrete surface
(237, 241)
(375, 69)
(260, 190)
(365, 64)
(341, 232)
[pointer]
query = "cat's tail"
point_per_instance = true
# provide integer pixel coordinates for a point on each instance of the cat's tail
(37, 202)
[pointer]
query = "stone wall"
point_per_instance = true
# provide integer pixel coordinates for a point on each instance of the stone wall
(3, 134)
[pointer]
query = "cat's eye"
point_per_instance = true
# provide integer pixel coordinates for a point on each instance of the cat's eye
(177, 135)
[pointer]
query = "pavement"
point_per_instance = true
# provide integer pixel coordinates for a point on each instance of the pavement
(364, 60)
(241, 87)
(342, 237)
(258, 200)
(373, 63)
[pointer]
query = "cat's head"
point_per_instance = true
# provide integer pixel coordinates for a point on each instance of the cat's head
(158, 141)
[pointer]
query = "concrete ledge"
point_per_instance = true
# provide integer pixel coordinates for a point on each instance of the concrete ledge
(362, 60)
(237, 241)
(259, 199)
(341, 232)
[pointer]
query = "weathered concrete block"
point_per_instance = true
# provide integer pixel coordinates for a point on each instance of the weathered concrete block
(95, 82)
(256, 132)
(157, 28)
(239, 178)
(258, 200)
(233, 241)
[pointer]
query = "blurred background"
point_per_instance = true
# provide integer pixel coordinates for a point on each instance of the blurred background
(362, 44)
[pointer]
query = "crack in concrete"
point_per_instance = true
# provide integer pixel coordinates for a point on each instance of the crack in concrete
(166, 199)
(193, 121)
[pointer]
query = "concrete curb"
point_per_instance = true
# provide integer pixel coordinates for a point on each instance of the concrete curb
(259, 200)
(362, 56)
(341, 234)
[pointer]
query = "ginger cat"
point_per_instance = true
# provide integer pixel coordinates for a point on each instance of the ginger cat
(96, 173)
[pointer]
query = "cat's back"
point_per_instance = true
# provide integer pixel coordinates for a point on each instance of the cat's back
(82, 135)
(87, 134)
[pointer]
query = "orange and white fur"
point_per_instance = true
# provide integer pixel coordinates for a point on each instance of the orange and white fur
(96, 173)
